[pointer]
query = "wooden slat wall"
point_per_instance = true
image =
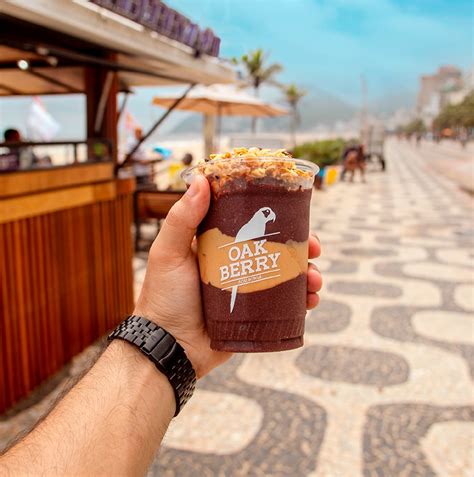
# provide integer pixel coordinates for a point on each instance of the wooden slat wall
(34, 181)
(66, 279)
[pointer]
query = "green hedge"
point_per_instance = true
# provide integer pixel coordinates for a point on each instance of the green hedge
(322, 153)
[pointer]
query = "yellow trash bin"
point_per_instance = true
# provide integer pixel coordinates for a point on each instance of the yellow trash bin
(331, 175)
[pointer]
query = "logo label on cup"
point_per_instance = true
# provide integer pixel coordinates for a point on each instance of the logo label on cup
(248, 259)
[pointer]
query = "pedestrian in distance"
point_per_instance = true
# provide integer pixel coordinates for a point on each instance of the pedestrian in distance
(354, 159)
(361, 162)
(345, 162)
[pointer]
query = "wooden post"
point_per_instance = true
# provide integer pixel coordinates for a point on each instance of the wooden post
(209, 126)
(95, 82)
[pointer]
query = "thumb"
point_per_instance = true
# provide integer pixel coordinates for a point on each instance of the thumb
(179, 227)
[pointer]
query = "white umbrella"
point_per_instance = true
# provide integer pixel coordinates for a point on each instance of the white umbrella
(221, 100)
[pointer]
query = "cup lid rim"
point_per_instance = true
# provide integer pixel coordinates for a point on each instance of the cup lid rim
(303, 162)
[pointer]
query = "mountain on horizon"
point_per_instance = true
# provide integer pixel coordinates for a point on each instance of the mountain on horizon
(314, 110)
(392, 101)
(319, 108)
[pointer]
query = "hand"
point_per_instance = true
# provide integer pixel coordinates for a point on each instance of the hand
(171, 295)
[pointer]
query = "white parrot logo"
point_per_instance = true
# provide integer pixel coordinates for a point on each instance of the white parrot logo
(253, 229)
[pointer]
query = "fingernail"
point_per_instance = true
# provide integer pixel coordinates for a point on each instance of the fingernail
(193, 189)
(316, 237)
(314, 267)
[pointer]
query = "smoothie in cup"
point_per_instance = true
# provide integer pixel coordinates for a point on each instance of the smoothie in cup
(253, 249)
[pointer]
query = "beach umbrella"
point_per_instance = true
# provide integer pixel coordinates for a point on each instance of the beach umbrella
(221, 100)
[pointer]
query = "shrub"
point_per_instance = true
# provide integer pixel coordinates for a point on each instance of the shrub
(323, 153)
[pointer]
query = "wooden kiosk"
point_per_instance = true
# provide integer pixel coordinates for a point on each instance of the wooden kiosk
(65, 231)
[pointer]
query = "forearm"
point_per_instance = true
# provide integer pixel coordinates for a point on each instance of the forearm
(112, 422)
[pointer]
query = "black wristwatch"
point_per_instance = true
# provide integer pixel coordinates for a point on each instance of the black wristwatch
(165, 353)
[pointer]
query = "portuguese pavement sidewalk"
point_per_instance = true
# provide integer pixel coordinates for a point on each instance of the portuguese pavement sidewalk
(384, 384)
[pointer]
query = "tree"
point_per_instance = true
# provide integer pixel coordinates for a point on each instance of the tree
(447, 118)
(466, 111)
(258, 72)
(456, 116)
(293, 95)
(417, 126)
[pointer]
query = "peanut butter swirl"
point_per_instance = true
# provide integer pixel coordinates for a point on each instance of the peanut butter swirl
(253, 265)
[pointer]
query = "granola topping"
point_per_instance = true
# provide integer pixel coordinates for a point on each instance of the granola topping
(255, 164)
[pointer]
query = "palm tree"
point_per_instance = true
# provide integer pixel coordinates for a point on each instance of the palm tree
(258, 72)
(293, 95)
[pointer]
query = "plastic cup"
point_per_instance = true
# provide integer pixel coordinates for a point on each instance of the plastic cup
(253, 251)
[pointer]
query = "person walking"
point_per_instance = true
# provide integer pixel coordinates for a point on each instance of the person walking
(361, 162)
(347, 160)
(354, 159)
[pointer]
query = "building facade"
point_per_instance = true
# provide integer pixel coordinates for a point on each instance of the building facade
(435, 90)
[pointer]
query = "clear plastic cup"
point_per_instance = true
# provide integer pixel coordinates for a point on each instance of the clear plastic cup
(253, 251)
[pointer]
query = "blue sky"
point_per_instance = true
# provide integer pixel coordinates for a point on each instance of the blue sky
(328, 44)
(324, 45)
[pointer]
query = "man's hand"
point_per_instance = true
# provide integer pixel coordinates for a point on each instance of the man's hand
(171, 295)
(129, 405)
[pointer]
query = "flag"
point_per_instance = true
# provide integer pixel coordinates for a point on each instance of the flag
(130, 122)
(41, 125)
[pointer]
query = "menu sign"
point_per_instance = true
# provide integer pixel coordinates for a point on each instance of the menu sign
(154, 14)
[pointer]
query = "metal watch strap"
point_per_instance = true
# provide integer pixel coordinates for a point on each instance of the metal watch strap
(165, 353)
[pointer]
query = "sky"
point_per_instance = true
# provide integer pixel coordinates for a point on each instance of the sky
(329, 44)
(324, 46)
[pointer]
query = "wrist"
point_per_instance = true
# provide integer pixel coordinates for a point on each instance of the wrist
(140, 372)
(162, 349)
(191, 352)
